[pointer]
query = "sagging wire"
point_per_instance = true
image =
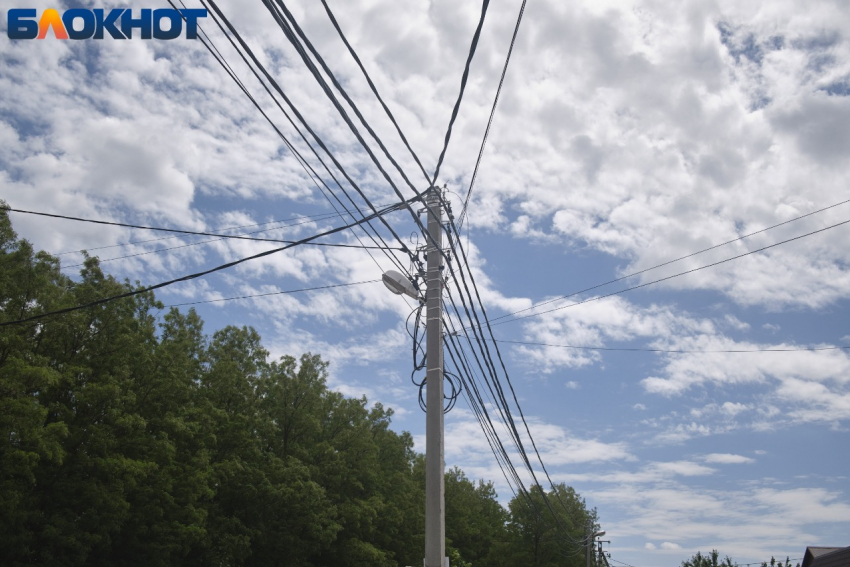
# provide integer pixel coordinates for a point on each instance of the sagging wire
(452, 384)
(455, 387)
(418, 364)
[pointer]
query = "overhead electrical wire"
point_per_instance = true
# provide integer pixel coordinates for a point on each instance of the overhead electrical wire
(284, 24)
(473, 45)
(479, 410)
(372, 86)
(319, 141)
(482, 147)
(131, 293)
(159, 250)
(494, 374)
(676, 351)
(290, 28)
(493, 338)
(478, 325)
(448, 258)
(463, 261)
(306, 219)
(292, 32)
(285, 292)
(478, 406)
(317, 179)
(501, 403)
(199, 233)
(675, 260)
(762, 249)
(490, 120)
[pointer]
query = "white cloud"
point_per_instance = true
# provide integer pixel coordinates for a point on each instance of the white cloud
(727, 459)
(749, 523)
(736, 323)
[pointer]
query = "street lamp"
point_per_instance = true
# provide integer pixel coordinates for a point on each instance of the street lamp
(398, 284)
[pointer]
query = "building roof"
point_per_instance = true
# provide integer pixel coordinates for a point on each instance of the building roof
(827, 557)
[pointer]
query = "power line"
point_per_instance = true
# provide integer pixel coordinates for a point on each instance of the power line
(290, 28)
(763, 248)
(438, 166)
(218, 14)
(198, 233)
(463, 261)
(738, 351)
(372, 86)
(621, 562)
(273, 293)
(736, 564)
(763, 562)
(492, 113)
(315, 177)
(300, 220)
(157, 251)
(386, 210)
(485, 4)
(675, 260)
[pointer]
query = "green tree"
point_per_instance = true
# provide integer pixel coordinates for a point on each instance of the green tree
(93, 467)
(475, 521)
(548, 529)
(778, 563)
(709, 560)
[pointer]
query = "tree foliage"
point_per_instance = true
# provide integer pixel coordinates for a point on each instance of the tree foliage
(778, 563)
(129, 438)
(713, 560)
(549, 529)
(708, 560)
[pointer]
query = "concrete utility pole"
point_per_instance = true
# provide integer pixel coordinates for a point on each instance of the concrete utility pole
(435, 496)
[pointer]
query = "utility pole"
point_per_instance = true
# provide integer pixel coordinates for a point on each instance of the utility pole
(590, 541)
(435, 497)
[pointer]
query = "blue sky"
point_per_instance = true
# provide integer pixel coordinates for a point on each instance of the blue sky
(628, 134)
